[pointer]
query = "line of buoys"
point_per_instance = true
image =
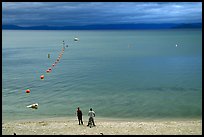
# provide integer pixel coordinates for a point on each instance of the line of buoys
(57, 60)
(48, 71)
(35, 105)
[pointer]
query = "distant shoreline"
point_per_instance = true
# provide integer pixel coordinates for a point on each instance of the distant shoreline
(167, 29)
(69, 126)
(106, 29)
(109, 27)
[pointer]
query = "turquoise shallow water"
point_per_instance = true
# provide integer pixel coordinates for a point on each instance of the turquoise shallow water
(120, 74)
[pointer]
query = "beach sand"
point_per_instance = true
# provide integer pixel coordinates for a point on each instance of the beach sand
(65, 126)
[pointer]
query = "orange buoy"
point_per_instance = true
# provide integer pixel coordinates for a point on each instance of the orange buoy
(28, 91)
(42, 76)
(50, 69)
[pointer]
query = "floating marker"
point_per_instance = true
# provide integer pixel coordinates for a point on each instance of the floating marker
(53, 65)
(76, 39)
(28, 91)
(48, 55)
(42, 76)
(48, 71)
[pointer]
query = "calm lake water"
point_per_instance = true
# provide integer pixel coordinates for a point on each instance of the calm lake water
(120, 74)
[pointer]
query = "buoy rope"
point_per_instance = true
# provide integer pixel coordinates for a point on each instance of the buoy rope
(52, 66)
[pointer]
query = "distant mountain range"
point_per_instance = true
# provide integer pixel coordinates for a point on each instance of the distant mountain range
(107, 27)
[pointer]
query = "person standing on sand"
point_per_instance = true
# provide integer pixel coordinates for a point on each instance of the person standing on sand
(91, 115)
(79, 115)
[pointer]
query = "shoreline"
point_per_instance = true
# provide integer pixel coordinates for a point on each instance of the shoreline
(105, 126)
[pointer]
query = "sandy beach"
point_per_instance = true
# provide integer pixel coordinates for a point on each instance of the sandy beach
(65, 126)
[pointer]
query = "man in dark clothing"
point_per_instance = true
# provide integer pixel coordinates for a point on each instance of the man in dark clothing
(79, 115)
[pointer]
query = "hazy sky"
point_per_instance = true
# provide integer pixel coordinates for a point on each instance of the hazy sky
(85, 13)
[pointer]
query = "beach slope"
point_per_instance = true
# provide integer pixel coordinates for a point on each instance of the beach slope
(103, 127)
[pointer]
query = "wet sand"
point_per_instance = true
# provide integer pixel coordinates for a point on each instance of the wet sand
(66, 126)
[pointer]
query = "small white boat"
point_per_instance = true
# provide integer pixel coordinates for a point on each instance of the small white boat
(34, 106)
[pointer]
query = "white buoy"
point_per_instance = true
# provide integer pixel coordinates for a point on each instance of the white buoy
(76, 39)
(176, 45)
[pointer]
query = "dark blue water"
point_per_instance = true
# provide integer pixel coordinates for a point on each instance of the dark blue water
(120, 74)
